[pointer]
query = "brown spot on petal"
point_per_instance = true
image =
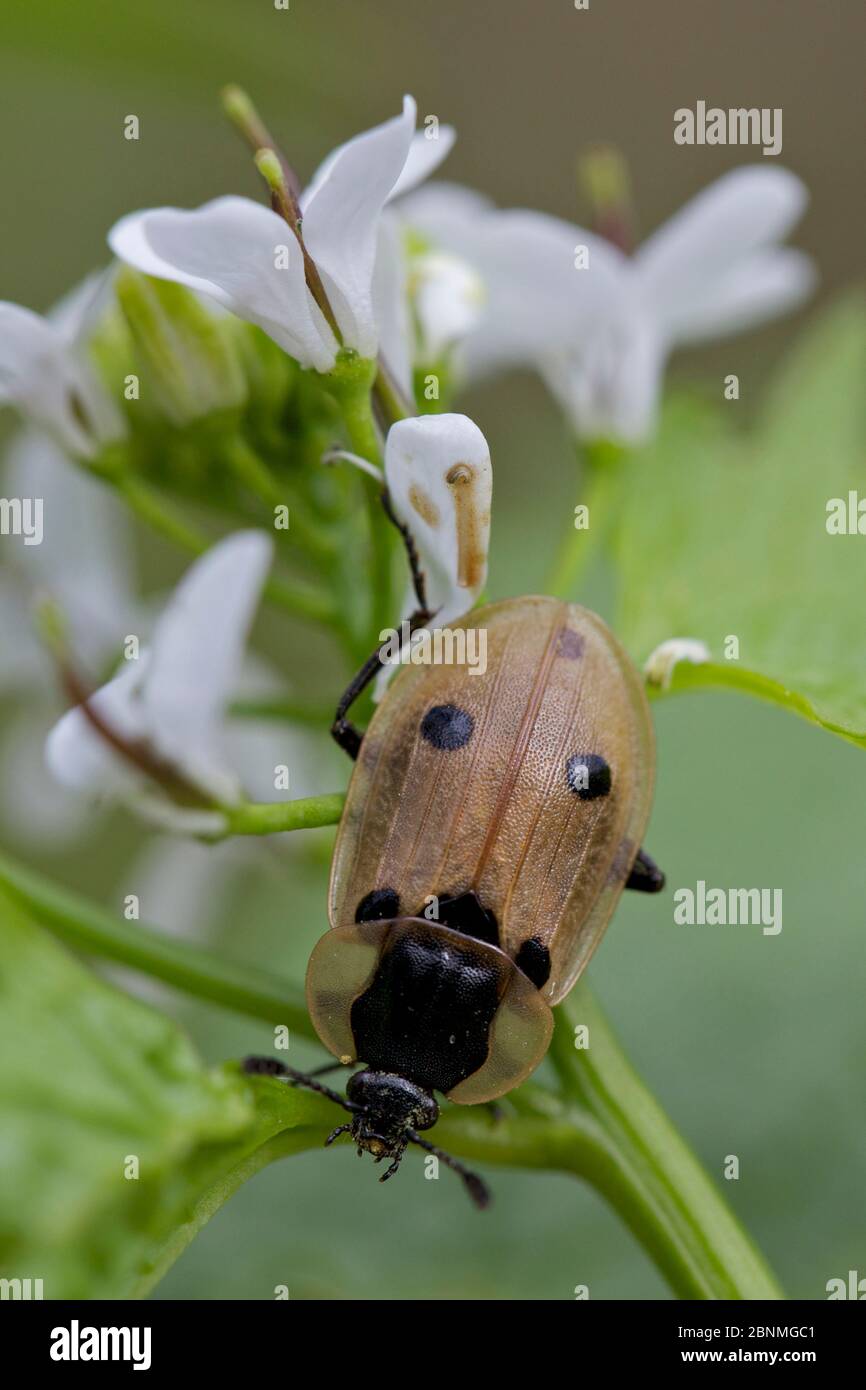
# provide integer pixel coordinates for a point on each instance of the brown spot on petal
(470, 549)
(423, 505)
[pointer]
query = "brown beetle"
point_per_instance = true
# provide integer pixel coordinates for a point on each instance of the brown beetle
(491, 823)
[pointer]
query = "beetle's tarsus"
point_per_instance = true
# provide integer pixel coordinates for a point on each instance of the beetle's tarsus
(646, 876)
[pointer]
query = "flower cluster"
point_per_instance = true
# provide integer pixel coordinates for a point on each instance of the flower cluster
(231, 348)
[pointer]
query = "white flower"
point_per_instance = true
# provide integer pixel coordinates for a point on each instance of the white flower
(601, 334)
(84, 565)
(245, 256)
(44, 371)
(170, 702)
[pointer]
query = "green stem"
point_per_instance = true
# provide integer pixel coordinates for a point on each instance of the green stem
(605, 1127)
(294, 711)
(273, 817)
(351, 382)
(579, 547)
(648, 1172)
(192, 969)
(300, 601)
(254, 475)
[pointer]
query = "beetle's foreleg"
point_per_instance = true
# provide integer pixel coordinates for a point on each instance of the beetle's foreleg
(343, 730)
(646, 876)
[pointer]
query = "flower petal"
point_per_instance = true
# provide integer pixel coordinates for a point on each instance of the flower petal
(448, 300)
(196, 654)
(80, 758)
(440, 481)
(342, 209)
(767, 283)
(610, 388)
(41, 375)
(84, 561)
(391, 304)
(742, 211)
(242, 255)
(427, 151)
(538, 300)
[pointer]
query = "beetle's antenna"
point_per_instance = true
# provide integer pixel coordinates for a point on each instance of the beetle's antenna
(269, 1066)
(475, 1186)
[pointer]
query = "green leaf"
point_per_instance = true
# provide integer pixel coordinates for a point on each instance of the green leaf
(724, 534)
(90, 1080)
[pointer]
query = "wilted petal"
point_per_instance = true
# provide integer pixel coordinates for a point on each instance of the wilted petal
(759, 287)
(440, 480)
(241, 254)
(659, 665)
(740, 212)
(342, 209)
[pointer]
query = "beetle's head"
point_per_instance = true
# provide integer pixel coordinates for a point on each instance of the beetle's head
(387, 1110)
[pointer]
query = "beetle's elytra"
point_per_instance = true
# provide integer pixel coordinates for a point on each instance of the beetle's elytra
(491, 823)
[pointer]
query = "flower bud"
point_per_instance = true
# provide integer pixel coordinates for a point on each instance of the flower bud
(190, 361)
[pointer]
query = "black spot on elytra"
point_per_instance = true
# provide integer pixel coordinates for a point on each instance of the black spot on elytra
(533, 959)
(447, 727)
(588, 775)
(569, 644)
(379, 906)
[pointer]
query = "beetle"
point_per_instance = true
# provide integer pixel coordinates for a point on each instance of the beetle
(491, 822)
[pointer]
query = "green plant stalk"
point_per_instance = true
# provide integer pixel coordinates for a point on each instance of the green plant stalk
(351, 385)
(293, 711)
(273, 817)
(291, 1141)
(254, 475)
(195, 970)
(649, 1173)
(300, 601)
(599, 474)
(728, 675)
(606, 1127)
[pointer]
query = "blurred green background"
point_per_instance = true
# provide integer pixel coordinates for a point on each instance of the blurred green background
(753, 1044)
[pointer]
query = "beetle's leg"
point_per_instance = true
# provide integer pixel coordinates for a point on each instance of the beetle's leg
(646, 876)
(269, 1066)
(342, 730)
(475, 1186)
(397, 1160)
(335, 1134)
